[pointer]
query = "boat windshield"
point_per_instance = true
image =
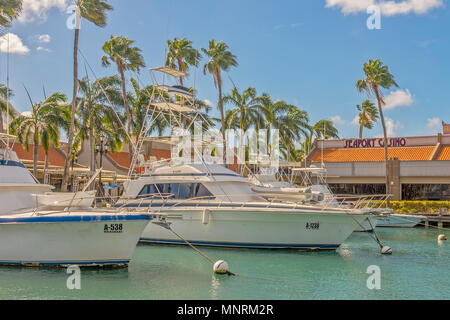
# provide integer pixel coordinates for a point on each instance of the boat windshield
(175, 191)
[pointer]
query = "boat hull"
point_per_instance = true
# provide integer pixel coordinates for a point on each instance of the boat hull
(398, 221)
(261, 229)
(368, 225)
(86, 240)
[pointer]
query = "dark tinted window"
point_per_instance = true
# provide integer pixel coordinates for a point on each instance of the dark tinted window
(176, 191)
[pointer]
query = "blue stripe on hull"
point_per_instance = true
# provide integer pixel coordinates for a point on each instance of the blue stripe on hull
(53, 219)
(244, 245)
(64, 263)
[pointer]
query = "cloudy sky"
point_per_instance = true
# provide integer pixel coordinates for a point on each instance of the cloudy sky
(309, 52)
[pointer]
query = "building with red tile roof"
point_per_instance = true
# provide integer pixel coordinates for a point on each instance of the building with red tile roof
(419, 167)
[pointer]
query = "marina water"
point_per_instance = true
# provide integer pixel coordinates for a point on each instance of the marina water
(418, 269)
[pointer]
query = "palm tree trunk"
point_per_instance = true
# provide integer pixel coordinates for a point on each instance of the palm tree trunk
(45, 167)
(74, 102)
(35, 158)
(127, 109)
(222, 118)
(1, 121)
(180, 64)
(380, 109)
(360, 131)
(92, 150)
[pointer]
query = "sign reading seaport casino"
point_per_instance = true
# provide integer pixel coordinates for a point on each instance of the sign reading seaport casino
(374, 143)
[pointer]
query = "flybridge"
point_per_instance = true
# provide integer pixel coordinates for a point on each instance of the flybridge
(374, 143)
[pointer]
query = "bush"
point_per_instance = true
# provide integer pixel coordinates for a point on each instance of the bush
(419, 206)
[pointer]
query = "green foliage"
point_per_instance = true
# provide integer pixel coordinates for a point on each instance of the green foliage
(419, 206)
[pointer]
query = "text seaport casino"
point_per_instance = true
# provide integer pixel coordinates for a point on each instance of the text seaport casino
(375, 142)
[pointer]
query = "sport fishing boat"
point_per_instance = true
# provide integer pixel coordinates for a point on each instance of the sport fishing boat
(313, 189)
(57, 234)
(210, 205)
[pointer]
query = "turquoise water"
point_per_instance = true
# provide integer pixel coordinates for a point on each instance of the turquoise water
(418, 269)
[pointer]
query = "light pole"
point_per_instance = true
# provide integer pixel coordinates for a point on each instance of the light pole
(101, 148)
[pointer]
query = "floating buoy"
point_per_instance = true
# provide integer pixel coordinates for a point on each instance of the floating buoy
(386, 250)
(221, 267)
(442, 237)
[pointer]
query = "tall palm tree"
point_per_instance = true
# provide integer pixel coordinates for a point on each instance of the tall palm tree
(4, 92)
(246, 112)
(96, 116)
(293, 126)
(377, 77)
(119, 50)
(9, 10)
(368, 114)
(181, 55)
(43, 125)
(220, 59)
(95, 12)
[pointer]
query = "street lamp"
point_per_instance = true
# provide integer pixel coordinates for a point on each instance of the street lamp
(101, 148)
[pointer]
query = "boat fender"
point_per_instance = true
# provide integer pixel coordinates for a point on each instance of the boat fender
(442, 237)
(221, 267)
(386, 250)
(205, 218)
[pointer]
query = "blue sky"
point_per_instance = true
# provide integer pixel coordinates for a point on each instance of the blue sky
(309, 53)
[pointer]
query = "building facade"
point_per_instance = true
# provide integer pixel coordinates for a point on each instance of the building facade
(419, 167)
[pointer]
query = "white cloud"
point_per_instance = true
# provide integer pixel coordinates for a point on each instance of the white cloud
(338, 120)
(37, 9)
(392, 127)
(434, 125)
(27, 114)
(43, 49)
(207, 102)
(44, 38)
(15, 44)
(398, 98)
(355, 121)
(388, 7)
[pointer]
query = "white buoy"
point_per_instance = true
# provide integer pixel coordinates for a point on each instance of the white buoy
(221, 267)
(442, 237)
(386, 250)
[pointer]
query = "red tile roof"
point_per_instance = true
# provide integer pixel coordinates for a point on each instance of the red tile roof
(54, 157)
(123, 158)
(373, 154)
(445, 153)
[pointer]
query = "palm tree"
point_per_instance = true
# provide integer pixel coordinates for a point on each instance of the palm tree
(322, 129)
(368, 113)
(377, 77)
(96, 116)
(220, 59)
(120, 51)
(181, 54)
(42, 125)
(4, 93)
(95, 12)
(9, 10)
(247, 112)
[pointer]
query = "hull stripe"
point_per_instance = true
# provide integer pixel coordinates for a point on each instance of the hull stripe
(74, 219)
(56, 263)
(244, 245)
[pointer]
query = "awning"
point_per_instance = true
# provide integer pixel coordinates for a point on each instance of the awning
(170, 71)
(172, 106)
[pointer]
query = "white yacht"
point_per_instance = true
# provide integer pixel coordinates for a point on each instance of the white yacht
(314, 189)
(210, 205)
(58, 234)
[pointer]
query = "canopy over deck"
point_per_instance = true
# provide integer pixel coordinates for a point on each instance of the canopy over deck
(172, 107)
(170, 71)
